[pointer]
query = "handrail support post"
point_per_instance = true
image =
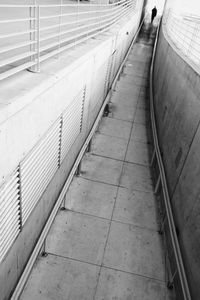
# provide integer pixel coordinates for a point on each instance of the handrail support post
(43, 252)
(153, 157)
(157, 185)
(78, 170)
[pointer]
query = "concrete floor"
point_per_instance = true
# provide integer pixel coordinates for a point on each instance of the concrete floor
(105, 246)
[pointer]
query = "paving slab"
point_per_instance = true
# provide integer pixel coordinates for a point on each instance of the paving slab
(89, 197)
(138, 153)
(128, 88)
(135, 250)
(78, 236)
(115, 128)
(136, 80)
(137, 208)
(140, 133)
(142, 116)
(58, 278)
(136, 177)
(136, 65)
(109, 146)
(119, 285)
(122, 111)
(101, 169)
(127, 99)
(143, 102)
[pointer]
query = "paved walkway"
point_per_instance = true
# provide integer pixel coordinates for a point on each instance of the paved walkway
(105, 246)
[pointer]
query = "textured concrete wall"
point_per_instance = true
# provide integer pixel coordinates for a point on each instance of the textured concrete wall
(29, 105)
(177, 104)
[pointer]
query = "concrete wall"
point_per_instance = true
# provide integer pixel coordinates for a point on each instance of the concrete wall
(177, 104)
(29, 105)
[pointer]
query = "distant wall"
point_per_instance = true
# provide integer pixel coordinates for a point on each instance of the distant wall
(177, 105)
(39, 109)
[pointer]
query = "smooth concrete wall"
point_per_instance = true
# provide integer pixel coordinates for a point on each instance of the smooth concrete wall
(177, 105)
(30, 103)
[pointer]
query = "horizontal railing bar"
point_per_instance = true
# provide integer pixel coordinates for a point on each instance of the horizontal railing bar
(69, 14)
(73, 29)
(17, 5)
(55, 5)
(63, 48)
(68, 31)
(72, 22)
(16, 20)
(181, 31)
(16, 46)
(44, 48)
(59, 5)
(17, 33)
(81, 5)
(16, 58)
(120, 4)
(16, 70)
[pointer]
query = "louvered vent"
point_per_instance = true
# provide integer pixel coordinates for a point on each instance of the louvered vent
(72, 123)
(9, 213)
(99, 89)
(38, 168)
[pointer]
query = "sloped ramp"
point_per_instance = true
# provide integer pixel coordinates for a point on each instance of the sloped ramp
(105, 245)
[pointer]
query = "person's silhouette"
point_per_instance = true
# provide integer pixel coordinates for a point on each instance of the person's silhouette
(153, 13)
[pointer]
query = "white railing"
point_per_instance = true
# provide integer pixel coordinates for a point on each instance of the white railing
(34, 33)
(184, 32)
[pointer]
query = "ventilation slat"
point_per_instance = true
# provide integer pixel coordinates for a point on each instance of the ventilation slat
(7, 202)
(42, 160)
(39, 148)
(9, 213)
(26, 210)
(72, 123)
(33, 194)
(38, 169)
(9, 241)
(8, 185)
(30, 187)
(99, 88)
(6, 230)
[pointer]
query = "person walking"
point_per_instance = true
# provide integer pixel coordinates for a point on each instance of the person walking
(153, 14)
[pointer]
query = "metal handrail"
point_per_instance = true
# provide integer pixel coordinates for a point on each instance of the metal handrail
(180, 270)
(183, 31)
(37, 39)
